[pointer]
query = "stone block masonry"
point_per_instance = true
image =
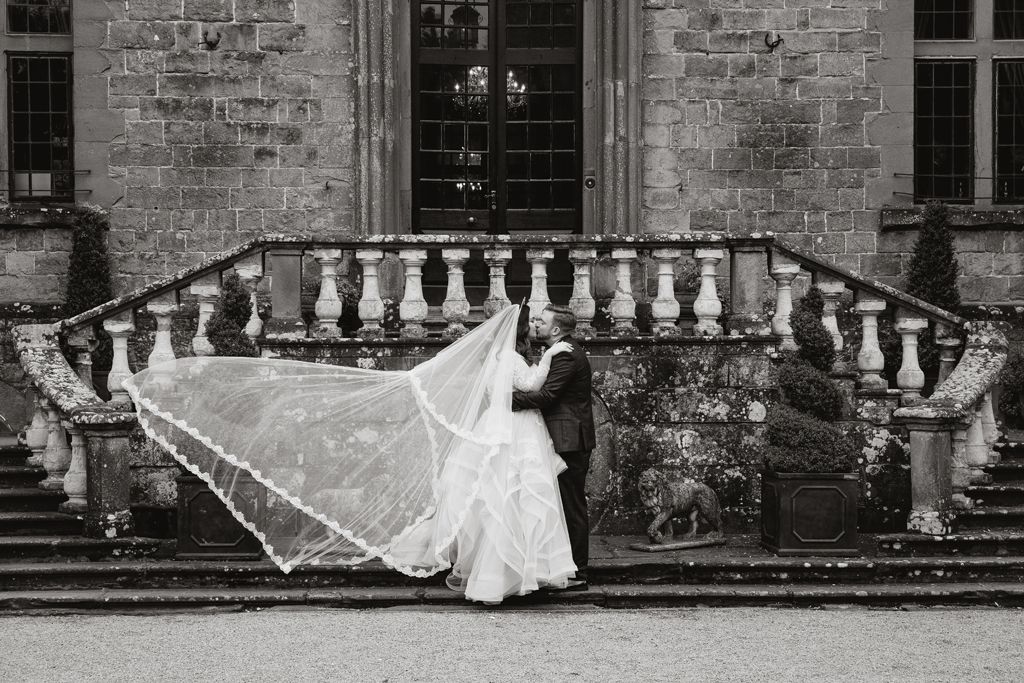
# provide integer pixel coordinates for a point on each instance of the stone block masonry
(743, 139)
(245, 131)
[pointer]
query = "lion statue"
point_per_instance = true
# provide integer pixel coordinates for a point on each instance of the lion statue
(667, 500)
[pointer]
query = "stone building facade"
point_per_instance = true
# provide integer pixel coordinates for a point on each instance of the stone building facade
(199, 124)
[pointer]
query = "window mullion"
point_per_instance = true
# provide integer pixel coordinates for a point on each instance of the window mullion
(499, 117)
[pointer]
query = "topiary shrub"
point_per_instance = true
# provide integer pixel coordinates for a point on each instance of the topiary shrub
(1011, 401)
(810, 390)
(89, 283)
(799, 442)
(226, 327)
(815, 342)
(932, 272)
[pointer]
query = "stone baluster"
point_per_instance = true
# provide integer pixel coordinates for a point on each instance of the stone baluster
(582, 301)
(831, 292)
(82, 343)
(207, 295)
(328, 306)
(665, 308)
(539, 259)
(75, 485)
(989, 428)
(960, 471)
(371, 306)
(783, 272)
(746, 273)
(497, 260)
(119, 331)
(455, 308)
(57, 456)
(910, 377)
(623, 306)
(250, 274)
(707, 306)
(285, 320)
(947, 343)
(162, 351)
(977, 449)
(870, 361)
(413, 309)
(37, 433)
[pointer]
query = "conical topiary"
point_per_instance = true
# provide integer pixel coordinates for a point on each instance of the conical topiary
(226, 327)
(815, 342)
(88, 265)
(933, 269)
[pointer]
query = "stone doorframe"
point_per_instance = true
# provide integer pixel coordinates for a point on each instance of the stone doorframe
(612, 151)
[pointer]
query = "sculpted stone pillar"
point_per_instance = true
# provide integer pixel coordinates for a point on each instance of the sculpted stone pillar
(623, 306)
(948, 344)
(250, 275)
(162, 351)
(988, 425)
(38, 432)
(539, 259)
(665, 308)
(497, 299)
(783, 272)
(286, 294)
(707, 306)
(456, 306)
(75, 485)
(328, 306)
(747, 266)
(371, 306)
(119, 331)
(208, 295)
(931, 490)
(831, 292)
(108, 472)
(413, 309)
(82, 343)
(57, 456)
(582, 300)
(870, 361)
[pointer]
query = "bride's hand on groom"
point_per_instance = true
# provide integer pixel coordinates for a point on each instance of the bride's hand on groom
(557, 348)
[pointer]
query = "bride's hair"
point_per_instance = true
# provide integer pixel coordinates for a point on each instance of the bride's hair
(523, 332)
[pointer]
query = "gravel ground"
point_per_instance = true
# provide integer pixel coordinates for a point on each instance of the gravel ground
(470, 644)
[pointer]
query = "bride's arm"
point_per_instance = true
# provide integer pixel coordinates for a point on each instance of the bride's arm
(527, 378)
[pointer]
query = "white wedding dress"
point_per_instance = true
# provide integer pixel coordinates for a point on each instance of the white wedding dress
(425, 470)
(514, 540)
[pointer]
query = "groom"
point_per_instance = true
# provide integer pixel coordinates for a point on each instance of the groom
(564, 400)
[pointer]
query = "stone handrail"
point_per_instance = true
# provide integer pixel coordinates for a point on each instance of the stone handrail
(953, 432)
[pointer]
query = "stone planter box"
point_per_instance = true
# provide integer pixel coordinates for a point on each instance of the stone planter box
(809, 514)
(207, 530)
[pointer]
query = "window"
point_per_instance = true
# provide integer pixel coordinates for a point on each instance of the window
(39, 16)
(1009, 20)
(39, 121)
(497, 120)
(943, 130)
(1009, 140)
(943, 19)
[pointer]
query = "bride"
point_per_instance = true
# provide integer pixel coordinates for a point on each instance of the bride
(425, 469)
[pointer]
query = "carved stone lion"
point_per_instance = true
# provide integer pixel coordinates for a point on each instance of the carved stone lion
(668, 500)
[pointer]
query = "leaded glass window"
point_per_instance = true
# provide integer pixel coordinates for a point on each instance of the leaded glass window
(943, 19)
(39, 115)
(1008, 16)
(39, 16)
(944, 130)
(1009, 138)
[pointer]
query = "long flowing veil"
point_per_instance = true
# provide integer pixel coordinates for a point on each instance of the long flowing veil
(338, 465)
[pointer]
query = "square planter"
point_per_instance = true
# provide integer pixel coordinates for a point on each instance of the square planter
(809, 514)
(206, 528)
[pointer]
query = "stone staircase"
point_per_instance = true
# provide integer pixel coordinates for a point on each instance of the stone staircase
(32, 527)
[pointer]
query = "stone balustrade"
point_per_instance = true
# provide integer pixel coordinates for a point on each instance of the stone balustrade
(621, 287)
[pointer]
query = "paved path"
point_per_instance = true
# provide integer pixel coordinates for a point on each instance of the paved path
(476, 644)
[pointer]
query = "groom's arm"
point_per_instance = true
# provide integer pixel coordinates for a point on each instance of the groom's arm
(558, 379)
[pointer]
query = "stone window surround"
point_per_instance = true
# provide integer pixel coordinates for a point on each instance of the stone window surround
(612, 156)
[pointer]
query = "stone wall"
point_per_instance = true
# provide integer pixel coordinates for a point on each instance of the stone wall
(226, 141)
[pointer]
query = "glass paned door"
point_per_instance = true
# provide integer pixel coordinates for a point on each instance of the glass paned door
(496, 116)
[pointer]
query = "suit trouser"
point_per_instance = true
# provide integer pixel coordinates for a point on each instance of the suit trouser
(572, 485)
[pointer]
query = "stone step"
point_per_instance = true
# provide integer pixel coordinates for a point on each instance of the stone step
(994, 517)
(1001, 494)
(13, 455)
(1006, 470)
(20, 476)
(69, 547)
(614, 596)
(187, 575)
(967, 544)
(39, 524)
(29, 498)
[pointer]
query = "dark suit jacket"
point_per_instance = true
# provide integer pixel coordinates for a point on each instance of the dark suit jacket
(564, 400)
